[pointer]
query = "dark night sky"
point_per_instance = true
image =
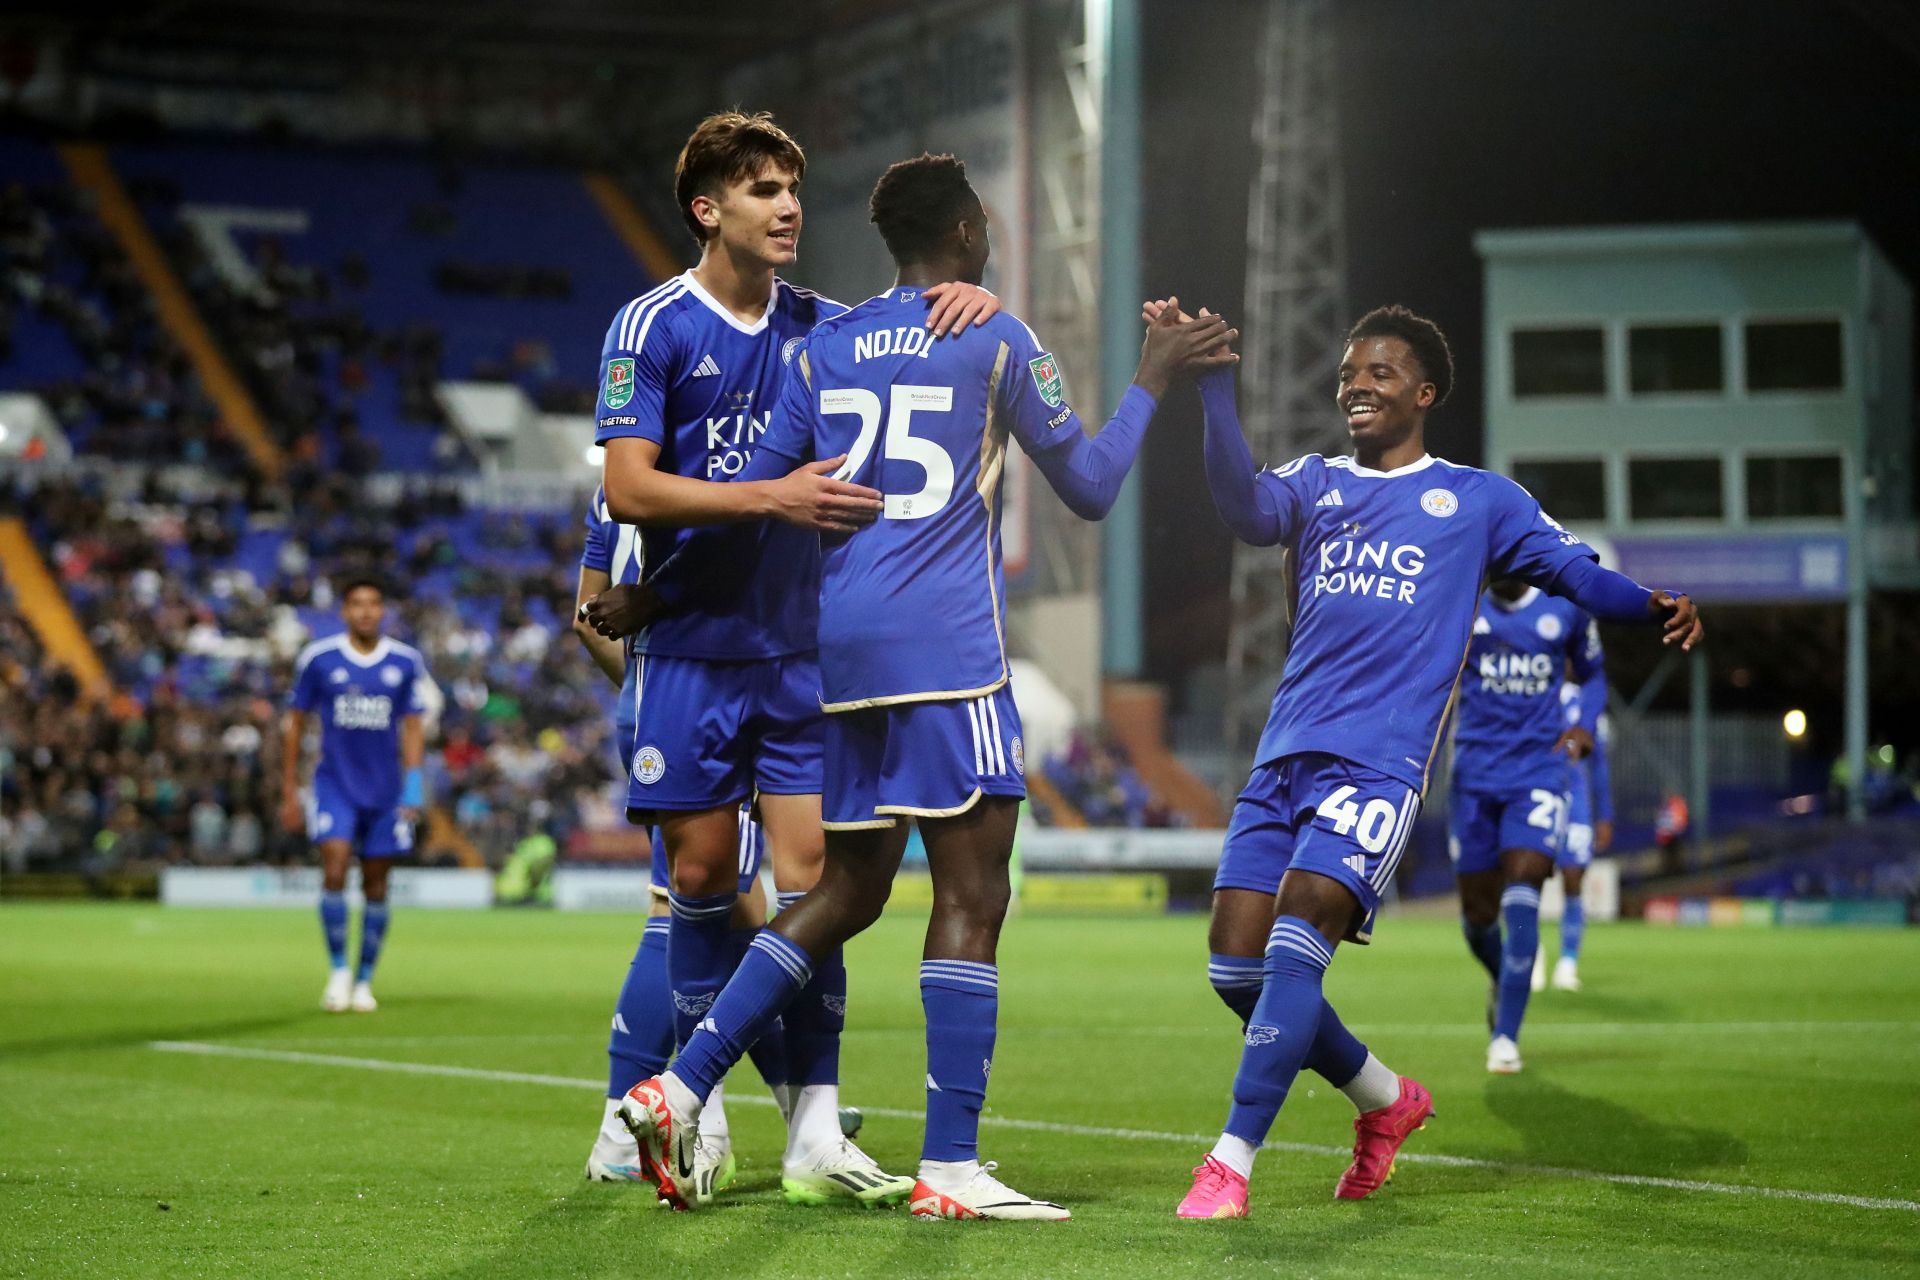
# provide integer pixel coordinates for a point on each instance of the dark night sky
(1455, 117)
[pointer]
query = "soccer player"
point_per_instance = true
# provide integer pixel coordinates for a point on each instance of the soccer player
(921, 720)
(1589, 830)
(1391, 546)
(642, 1037)
(727, 691)
(368, 691)
(1513, 755)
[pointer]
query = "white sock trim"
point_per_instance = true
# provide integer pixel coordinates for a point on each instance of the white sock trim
(713, 1116)
(815, 1122)
(1375, 1087)
(684, 1104)
(1236, 1153)
(948, 1176)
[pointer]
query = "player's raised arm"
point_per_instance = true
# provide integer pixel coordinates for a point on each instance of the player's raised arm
(1087, 473)
(1258, 507)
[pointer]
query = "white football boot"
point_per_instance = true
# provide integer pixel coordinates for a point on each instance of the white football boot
(362, 1000)
(841, 1171)
(1503, 1057)
(983, 1196)
(338, 996)
(1566, 974)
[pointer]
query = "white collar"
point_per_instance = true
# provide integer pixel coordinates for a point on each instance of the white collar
(1520, 602)
(1421, 464)
(714, 305)
(359, 659)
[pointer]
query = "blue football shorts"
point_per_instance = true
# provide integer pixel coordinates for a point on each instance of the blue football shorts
(1480, 824)
(708, 734)
(1324, 814)
(921, 759)
(382, 832)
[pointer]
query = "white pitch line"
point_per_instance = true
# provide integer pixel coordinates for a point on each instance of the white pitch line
(1048, 1126)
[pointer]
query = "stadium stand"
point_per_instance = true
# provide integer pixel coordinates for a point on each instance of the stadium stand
(162, 295)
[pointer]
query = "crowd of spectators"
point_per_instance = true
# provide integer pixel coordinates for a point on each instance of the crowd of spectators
(180, 764)
(299, 336)
(1095, 777)
(135, 395)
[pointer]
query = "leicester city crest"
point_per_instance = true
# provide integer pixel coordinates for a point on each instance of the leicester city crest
(649, 766)
(619, 388)
(1046, 379)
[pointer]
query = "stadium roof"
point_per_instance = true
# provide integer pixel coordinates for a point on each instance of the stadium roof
(554, 34)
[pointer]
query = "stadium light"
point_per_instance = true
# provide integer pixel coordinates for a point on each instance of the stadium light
(593, 455)
(1795, 723)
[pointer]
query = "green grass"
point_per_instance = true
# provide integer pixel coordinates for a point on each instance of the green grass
(1779, 1059)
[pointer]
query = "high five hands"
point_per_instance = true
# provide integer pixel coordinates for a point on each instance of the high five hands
(1179, 346)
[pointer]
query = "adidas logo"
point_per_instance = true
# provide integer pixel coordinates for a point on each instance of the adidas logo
(707, 367)
(1331, 498)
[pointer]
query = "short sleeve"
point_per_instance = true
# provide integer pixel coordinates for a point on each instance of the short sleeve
(1032, 390)
(637, 364)
(598, 551)
(1525, 542)
(305, 695)
(418, 686)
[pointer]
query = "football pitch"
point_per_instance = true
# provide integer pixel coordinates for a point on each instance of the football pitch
(173, 1102)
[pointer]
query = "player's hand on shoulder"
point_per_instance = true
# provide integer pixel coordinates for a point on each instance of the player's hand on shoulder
(621, 611)
(955, 305)
(1576, 741)
(1682, 619)
(810, 498)
(1179, 346)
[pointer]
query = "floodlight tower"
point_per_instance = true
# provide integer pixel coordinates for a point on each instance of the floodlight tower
(1295, 314)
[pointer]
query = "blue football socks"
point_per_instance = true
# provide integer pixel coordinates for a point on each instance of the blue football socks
(333, 925)
(699, 955)
(1520, 913)
(373, 934)
(642, 1037)
(962, 1002)
(1281, 1032)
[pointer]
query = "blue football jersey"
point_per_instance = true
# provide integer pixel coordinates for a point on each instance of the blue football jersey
(611, 547)
(1511, 709)
(360, 699)
(614, 548)
(912, 608)
(682, 371)
(1390, 566)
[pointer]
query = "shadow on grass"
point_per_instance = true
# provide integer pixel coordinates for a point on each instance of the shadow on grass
(1560, 1127)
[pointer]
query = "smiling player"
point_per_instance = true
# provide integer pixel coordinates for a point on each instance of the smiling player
(726, 693)
(922, 723)
(1391, 547)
